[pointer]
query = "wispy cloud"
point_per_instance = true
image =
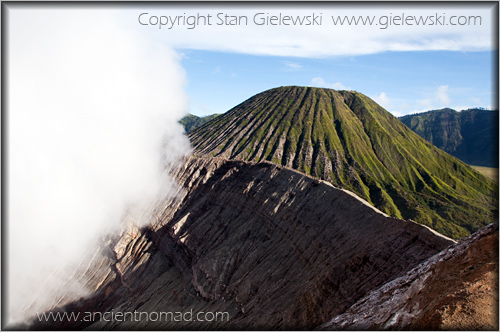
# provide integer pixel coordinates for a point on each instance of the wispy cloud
(293, 66)
(383, 100)
(438, 99)
(216, 70)
(320, 82)
(442, 95)
(329, 39)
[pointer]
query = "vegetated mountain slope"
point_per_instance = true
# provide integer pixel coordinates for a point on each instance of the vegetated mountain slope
(347, 139)
(191, 122)
(273, 248)
(470, 135)
(456, 289)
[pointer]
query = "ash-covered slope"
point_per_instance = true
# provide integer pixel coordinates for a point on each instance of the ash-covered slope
(347, 139)
(470, 135)
(273, 248)
(456, 289)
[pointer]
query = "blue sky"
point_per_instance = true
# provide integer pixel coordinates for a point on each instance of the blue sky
(403, 82)
(406, 69)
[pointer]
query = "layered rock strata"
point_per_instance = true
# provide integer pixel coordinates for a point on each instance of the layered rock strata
(456, 289)
(269, 246)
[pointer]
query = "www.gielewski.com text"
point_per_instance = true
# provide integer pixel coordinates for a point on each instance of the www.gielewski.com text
(313, 19)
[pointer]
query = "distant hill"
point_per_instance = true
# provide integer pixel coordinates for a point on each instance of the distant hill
(344, 137)
(191, 122)
(470, 135)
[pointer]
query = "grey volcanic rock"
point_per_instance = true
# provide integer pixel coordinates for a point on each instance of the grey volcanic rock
(456, 289)
(273, 248)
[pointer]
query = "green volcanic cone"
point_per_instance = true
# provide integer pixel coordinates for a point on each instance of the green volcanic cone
(346, 138)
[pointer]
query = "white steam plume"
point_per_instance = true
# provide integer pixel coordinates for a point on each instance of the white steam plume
(92, 117)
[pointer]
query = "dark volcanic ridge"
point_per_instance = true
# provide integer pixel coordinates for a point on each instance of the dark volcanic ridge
(470, 135)
(273, 248)
(348, 140)
(456, 289)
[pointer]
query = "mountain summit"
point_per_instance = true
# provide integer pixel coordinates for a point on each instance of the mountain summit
(346, 138)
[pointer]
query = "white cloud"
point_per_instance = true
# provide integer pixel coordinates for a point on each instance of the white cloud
(435, 100)
(203, 109)
(293, 66)
(442, 95)
(425, 103)
(383, 100)
(328, 39)
(320, 82)
(93, 110)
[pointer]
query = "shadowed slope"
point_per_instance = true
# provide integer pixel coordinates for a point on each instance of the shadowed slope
(347, 139)
(456, 289)
(470, 135)
(273, 248)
